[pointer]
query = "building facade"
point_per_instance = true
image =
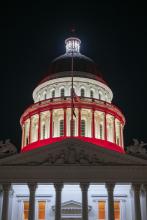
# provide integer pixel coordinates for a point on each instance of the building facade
(72, 164)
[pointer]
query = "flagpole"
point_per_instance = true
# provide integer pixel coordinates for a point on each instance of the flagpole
(72, 104)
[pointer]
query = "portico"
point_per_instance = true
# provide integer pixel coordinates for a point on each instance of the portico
(117, 180)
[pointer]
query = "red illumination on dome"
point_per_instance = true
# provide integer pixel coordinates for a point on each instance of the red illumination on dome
(100, 143)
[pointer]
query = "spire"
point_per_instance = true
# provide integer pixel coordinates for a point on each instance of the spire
(72, 45)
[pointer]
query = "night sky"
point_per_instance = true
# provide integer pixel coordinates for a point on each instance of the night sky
(113, 35)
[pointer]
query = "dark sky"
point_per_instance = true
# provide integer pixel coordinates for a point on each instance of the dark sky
(113, 35)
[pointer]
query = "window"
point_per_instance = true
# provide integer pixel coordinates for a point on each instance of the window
(45, 95)
(41, 210)
(34, 132)
(101, 131)
(62, 92)
(117, 210)
(101, 210)
(61, 127)
(38, 97)
(106, 97)
(53, 94)
(82, 92)
(73, 127)
(91, 93)
(83, 127)
(100, 95)
(43, 131)
(26, 210)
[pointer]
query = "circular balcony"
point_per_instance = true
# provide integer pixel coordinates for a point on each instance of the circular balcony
(89, 119)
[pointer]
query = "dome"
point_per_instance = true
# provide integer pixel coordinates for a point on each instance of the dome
(83, 66)
(73, 101)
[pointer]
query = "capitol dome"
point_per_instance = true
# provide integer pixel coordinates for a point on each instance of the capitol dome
(73, 101)
(82, 65)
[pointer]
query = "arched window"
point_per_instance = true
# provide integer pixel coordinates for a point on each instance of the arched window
(109, 130)
(53, 94)
(101, 131)
(91, 93)
(39, 97)
(100, 95)
(83, 124)
(117, 127)
(72, 126)
(62, 92)
(43, 131)
(106, 98)
(82, 92)
(45, 95)
(34, 132)
(61, 127)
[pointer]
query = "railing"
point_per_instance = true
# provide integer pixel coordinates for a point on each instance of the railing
(77, 99)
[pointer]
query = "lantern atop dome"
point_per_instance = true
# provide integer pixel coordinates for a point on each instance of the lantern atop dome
(72, 45)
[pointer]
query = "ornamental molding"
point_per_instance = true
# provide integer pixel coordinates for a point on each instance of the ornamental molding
(70, 156)
(138, 149)
(7, 148)
(71, 152)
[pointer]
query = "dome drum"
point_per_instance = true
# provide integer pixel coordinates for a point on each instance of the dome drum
(50, 121)
(99, 89)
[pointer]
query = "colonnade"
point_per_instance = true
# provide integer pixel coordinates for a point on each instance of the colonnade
(98, 124)
(136, 188)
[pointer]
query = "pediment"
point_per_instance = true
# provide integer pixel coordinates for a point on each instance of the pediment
(71, 152)
(71, 205)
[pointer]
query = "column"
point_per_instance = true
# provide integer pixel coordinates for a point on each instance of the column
(30, 129)
(145, 193)
(114, 131)
(5, 207)
(23, 135)
(32, 188)
(105, 125)
(51, 123)
(110, 190)
(137, 206)
(65, 122)
(93, 124)
(79, 123)
(120, 134)
(71, 122)
(84, 189)
(39, 126)
(58, 189)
